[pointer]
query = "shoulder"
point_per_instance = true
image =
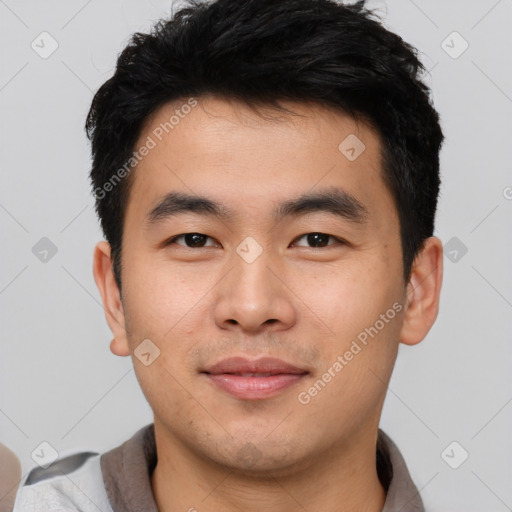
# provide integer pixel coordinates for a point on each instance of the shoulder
(72, 483)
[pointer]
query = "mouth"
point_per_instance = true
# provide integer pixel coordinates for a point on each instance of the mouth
(253, 380)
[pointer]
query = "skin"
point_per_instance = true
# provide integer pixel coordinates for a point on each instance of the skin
(10, 474)
(199, 305)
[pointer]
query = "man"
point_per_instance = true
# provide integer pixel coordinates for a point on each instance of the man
(266, 175)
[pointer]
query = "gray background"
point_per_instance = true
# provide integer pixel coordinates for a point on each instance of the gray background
(59, 381)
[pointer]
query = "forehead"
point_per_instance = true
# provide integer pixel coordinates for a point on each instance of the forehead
(249, 161)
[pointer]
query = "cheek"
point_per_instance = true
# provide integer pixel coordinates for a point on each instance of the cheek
(350, 299)
(359, 356)
(159, 296)
(164, 305)
(166, 392)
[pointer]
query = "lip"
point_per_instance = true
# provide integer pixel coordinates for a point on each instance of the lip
(253, 379)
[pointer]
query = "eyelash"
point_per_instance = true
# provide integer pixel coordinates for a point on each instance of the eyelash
(339, 241)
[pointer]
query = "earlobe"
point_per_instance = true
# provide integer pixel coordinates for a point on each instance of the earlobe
(423, 292)
(119, 347)
(111, 297)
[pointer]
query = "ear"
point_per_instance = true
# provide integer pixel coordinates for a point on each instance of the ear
(423, 292)
(111, 297)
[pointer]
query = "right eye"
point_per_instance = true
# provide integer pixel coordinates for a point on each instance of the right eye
(192, 240)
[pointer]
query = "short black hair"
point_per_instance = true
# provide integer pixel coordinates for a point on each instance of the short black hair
(261, 52)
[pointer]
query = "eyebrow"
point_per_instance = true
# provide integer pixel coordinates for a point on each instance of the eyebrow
(331, 200)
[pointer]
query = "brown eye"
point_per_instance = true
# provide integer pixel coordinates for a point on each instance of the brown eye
(318, 240)
(192, 240)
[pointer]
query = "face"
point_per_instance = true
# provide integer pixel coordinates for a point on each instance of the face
(247, 239)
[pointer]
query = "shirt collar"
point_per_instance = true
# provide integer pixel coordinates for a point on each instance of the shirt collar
(127, 470)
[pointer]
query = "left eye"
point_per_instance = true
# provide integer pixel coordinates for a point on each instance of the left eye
(318, 239)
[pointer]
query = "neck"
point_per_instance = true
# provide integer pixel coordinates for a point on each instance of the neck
(343, 480)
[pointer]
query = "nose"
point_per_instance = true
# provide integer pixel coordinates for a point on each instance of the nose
(254, 297)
